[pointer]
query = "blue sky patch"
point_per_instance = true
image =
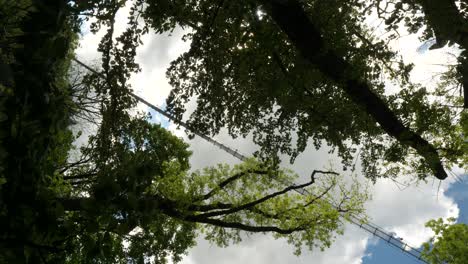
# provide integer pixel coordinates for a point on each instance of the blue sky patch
(459, 192)
(158, 118)
(383, 253)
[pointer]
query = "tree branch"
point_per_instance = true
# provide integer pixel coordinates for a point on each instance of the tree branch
(241, 226)
(81, 161)
(256, 202)
(209, 207)
(86, 175)
(187, 213)
(295, 23)
(222, 184)
(171, 211)
(446, 20)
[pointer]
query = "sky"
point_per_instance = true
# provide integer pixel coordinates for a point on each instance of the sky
(394, 207)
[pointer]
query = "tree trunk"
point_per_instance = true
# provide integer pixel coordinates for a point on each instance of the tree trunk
(293, 20)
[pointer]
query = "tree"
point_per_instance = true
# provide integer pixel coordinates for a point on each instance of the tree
(280, 69)
(129, 197)
(143, 186)
(450, 243)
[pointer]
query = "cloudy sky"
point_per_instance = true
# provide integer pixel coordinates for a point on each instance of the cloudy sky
(394, 207)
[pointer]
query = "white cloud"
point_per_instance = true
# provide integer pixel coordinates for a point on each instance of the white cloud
(405, 211)
(154, 57)
(261, 249)
(428, 65)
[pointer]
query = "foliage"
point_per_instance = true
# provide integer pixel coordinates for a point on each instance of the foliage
(12, 15)
(34, 136)
(129, 196)
(116, 186)
(247, 76)
(450, 243)
(141, 195)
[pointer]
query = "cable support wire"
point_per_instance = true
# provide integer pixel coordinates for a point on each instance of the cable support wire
(365, 225)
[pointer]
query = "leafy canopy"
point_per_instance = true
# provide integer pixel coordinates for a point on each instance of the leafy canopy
(449, 244)
(128, 196)
(140, 193)
(246, 74)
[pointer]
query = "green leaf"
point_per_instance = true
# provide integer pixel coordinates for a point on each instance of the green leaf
(3, 117)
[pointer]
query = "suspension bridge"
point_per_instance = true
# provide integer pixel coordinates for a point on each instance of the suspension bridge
(365, 225)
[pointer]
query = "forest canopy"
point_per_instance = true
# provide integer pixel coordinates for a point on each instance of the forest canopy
(316, 79)
(291, 73)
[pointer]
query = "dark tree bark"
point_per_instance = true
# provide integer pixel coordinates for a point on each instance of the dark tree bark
(446, 20)
(449, 24)
(301, 31)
